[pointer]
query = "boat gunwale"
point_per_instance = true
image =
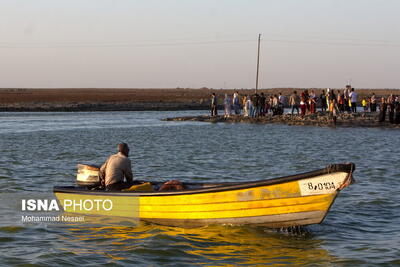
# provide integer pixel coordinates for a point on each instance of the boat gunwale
(229, 186)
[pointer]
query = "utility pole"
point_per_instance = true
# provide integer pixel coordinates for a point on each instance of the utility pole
(258, 60)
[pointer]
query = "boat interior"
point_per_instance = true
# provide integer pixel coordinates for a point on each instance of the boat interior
(93, 186)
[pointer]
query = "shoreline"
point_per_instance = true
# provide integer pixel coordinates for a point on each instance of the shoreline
(320, 119)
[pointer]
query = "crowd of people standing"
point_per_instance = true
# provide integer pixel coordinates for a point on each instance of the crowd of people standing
(341, 101)
(346, 101)
(249, 105)
(391, 107)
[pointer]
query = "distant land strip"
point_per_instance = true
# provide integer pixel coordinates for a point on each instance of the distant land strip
(108, 99)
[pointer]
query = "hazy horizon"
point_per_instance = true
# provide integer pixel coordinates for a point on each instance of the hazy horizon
(194, 44)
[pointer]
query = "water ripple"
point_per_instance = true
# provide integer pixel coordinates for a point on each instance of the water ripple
(39, 151)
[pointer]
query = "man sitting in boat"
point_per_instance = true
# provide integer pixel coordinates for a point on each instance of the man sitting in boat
(118, 166)
(115, 169)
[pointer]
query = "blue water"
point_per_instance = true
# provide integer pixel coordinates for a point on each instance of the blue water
(40, 150)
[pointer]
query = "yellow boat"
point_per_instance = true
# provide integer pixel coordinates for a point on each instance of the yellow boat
(295, 200)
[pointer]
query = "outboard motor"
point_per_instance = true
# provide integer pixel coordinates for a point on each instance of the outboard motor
(88, 175)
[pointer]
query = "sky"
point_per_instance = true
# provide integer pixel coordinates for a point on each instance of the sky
(202, 43)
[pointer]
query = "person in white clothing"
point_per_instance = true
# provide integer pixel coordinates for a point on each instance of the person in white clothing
(245, 107)
(249, 106)
(235, 102)
(282, 98)
(227, 105)
(353, 99)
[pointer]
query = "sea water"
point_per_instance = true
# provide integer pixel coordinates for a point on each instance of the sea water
(41, 150)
